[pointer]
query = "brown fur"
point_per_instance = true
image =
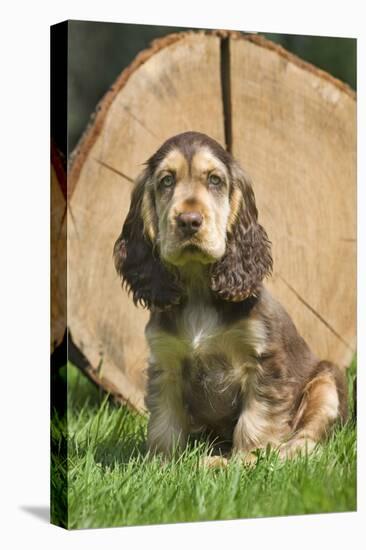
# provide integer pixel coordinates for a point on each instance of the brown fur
(226, 359)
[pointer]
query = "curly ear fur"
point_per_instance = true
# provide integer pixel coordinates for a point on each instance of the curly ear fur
(247, 260)
(135, 257)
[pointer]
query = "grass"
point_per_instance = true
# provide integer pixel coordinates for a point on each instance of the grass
(111, 481)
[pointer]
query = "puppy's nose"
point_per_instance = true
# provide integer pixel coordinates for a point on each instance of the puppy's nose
(189, 222)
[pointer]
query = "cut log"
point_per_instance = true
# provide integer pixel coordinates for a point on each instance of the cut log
(290, 125)
(294, 129)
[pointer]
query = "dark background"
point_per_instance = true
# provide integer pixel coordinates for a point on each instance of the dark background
(98, 52)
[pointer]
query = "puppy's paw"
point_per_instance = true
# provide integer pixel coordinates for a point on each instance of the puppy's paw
(246, 458)
(214, 461)
(249, 459)
(296, 447)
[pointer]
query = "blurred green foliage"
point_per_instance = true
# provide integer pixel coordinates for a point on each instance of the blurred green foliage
(98, 52)
(337, 56)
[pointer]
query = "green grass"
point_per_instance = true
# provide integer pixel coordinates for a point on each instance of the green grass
(113, 482)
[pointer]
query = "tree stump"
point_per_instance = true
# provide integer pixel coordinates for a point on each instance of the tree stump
(292, 127)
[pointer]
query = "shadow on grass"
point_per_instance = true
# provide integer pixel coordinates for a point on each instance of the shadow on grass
(115, 436)
(121, 454)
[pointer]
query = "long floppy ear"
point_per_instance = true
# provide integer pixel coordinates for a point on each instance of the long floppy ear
(136, 258)
(247, 260)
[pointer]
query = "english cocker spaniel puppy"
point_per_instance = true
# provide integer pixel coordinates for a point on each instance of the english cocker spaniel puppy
(225, 358)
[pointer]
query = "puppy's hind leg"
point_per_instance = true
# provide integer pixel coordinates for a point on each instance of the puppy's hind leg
(323, 402)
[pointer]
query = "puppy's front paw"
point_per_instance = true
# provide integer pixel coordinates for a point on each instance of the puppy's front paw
(247, 458)
(214, 461)
(296, 447)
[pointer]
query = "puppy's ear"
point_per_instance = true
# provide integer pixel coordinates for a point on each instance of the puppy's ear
(247, 260)
(136, 258)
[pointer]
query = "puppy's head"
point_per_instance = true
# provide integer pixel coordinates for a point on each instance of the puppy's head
(192, 204)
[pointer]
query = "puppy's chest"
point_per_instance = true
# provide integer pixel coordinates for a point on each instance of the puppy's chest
(212, 360)
(209, 341)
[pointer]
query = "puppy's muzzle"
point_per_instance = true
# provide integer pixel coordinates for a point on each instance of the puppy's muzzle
(188, 223)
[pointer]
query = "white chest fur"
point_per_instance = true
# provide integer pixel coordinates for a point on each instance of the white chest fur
(201, 335)
(199, 326)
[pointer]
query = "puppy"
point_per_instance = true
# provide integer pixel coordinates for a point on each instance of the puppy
(225, 358)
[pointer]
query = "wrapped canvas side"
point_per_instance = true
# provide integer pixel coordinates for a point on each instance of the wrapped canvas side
(59, 515)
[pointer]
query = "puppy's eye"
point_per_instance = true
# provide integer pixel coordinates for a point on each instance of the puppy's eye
(167, 181)
(214, 179)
